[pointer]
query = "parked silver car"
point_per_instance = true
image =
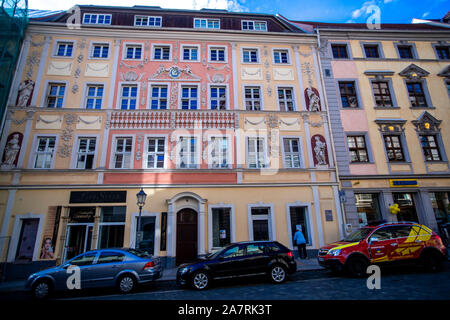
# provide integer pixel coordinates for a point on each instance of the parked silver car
(122, 268)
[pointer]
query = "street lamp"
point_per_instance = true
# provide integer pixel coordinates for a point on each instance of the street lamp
(141, 196)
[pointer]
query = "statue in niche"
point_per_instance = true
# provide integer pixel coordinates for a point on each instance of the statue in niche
(319, 147)
(25, 92)
(12, 150)
(312, 99)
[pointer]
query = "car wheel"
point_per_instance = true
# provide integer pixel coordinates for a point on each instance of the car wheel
(432, 262)
(126, 283)
(277, 274)
(42, 289)
(200, 280)
(357, 267)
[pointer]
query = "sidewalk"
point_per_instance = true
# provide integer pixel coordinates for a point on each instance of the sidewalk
(169, 275)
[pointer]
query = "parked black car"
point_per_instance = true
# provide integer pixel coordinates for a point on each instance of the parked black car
(239, 259)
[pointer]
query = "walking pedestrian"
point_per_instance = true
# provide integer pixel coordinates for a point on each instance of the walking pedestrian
(299, 240)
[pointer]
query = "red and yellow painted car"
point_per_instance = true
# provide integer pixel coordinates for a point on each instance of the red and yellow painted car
(384, 243)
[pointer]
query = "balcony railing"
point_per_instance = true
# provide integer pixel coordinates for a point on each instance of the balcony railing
(174, 119)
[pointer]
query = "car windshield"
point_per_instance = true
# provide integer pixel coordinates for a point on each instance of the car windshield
(358, 235)
(215, 254)
(140, 253)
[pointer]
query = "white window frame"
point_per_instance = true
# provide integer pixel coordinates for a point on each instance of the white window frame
(150, 92)
(294, 99)
(218, 47)
(132, 44)
(258, 58)
(114, 138)
(180, 95)
(254, 23)
(270, 219)
(45, 96)
(147, 137)
(300, 151)
(261, 96)
(99, 43)
(32, 160)
(56, 44)
(190, 46)
(148, 21)
(309, 218)
(288, 54)
(76, 146)
(229, 151)
(264, 152)
(207, 22)
(161, 45)
(210, 222)
(86, 96)
(197, 152)
(119, 95)
(227, 98)
(97, 16)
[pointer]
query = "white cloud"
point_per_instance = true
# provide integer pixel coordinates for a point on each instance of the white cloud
(426, 14)
(231, 5)
(361, 11)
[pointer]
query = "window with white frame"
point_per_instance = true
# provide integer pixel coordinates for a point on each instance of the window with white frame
(92, 18)
(161, 53)
(86, 152)
(256, 153)
(218, 98)
(100, 50)
(187, 152)
(189, 97)
(64, 49)
(281, 56)
(218, 156)
(147, 21)
(94, 97)
(252, 98)
(158, 97)
(250, 55)
(45, 150)
(286, 99)
(221, 227)
(254, 25)
(122, 153)
(261, 223)
(128, 97)
(206, 23)
(155, 152)
(217, 54)
(55, 95)
(190, 53)
(133, 51)
(292, 154)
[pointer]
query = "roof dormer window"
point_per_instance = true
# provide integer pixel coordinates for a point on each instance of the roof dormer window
(254, 25)
(200, 23)
(94, 18)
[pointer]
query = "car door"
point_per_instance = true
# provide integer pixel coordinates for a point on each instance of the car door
(108, 264)
(256, 260)
(411, 240)
(230, 262)
(382, 245)
(85, 263)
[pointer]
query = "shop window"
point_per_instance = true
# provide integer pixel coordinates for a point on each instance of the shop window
(221, 225)
(441, 206)
(407, 207)
(368, 208)
(111, 227)
(147, 242)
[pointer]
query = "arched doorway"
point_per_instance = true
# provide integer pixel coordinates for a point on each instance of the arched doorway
(187, 243)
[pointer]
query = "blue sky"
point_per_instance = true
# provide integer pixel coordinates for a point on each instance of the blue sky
(392, 11)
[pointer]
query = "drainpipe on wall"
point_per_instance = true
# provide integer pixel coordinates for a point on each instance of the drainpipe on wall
(344, 222)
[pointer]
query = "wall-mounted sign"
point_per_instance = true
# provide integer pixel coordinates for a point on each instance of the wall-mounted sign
(399, 183)
(98, 197)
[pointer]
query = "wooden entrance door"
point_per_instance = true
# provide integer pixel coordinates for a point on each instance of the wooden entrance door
(186, 236)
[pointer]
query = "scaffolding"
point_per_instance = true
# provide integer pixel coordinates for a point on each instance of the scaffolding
(13, 22)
